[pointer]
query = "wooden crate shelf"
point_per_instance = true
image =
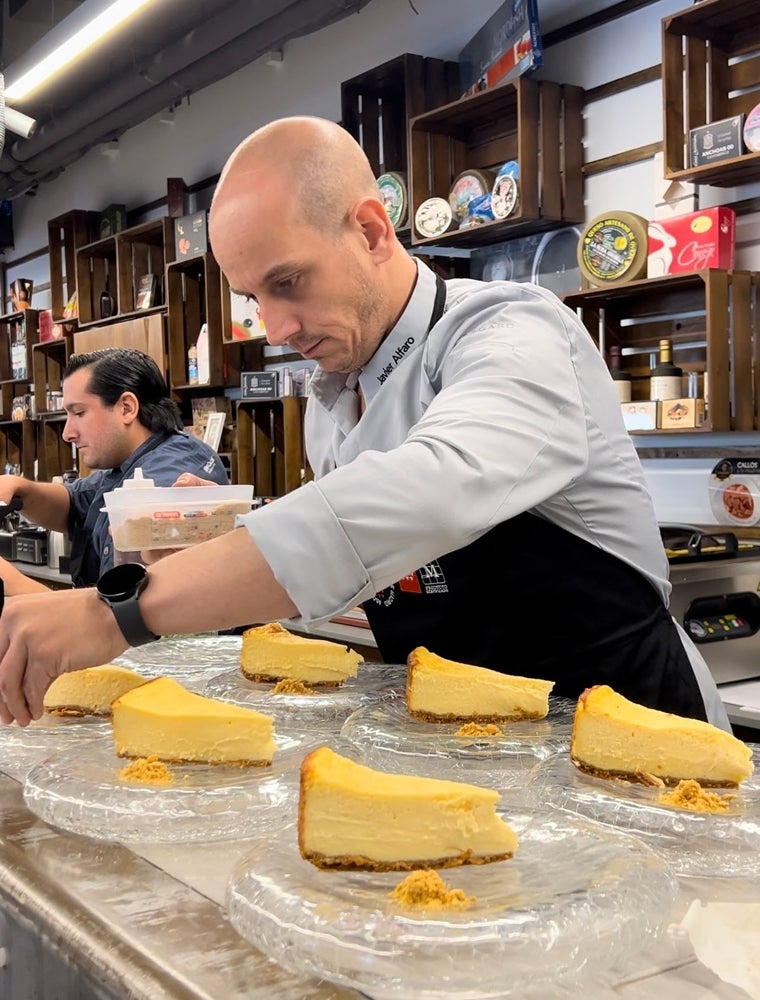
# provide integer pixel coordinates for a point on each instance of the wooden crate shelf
(141, 250)
(710, 71)
(377, 106)
(66, 233)
(538, 124)
(270, 452)
(194, 297)
(96, 274)
(712, 319)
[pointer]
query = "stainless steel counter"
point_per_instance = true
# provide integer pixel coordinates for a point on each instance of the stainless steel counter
(148, 924)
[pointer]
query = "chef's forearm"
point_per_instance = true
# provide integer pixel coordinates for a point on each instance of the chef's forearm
(216, 585)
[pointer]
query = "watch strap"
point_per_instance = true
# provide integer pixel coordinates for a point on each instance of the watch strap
(130, 620)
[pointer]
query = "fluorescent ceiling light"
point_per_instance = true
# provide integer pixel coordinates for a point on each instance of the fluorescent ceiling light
(71, 49)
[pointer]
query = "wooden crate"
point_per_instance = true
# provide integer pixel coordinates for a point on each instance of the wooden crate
(710, 71)
(377, 106)
(193, 295)
(538, 124)
(48, 363)
(66, 233)
(141, 250)
(96, 274)
(270, 451)
(711, 318)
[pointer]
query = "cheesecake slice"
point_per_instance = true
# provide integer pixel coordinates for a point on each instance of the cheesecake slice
(352, 817)
(164, 720)
(439, 690)
(271, 653)
(616, 738)
(89, 691)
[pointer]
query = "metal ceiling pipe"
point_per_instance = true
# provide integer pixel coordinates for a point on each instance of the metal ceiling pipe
(195, 45)
(215, 65)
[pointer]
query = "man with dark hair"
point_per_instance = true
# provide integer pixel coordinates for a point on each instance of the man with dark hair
(120, 417)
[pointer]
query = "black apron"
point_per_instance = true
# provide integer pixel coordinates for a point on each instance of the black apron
(84, 561)
(532, 599)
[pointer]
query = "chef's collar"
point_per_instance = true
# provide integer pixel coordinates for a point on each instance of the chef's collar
(406, 337)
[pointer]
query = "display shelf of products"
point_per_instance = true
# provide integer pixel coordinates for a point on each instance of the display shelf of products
(536, 124)
(710, 53)
(123, 275)
(712, 320)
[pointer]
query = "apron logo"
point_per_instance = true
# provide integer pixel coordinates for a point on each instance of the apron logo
(385, 597)
(433, 579)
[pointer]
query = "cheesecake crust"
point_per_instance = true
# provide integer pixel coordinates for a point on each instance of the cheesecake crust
(195, 760)
(260, 678)
(76, 711)
(359, 863)
(454, 717)
(644, 778)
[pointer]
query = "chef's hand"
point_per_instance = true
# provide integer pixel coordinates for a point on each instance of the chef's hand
(44, 635)
(190, 479)
(150, 556)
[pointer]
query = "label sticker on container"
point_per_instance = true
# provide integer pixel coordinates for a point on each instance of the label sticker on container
(735, 491)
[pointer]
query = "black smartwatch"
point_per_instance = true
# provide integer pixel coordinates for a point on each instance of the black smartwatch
(120, 588)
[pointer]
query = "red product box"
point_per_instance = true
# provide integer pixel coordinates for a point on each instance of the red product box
(692, 242)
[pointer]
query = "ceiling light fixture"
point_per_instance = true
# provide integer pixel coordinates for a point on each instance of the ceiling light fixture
(71, 49)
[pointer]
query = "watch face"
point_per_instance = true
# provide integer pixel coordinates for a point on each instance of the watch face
(123, 581)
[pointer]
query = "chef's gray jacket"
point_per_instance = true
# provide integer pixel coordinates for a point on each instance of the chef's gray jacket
(504, 406)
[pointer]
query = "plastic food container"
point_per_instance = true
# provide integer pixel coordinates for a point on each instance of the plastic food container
(171, 517)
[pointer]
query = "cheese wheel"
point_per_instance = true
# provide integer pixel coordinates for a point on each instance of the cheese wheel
(470, 184)
(392, 188)
(434, 217)
(613, 247)
(504, 196)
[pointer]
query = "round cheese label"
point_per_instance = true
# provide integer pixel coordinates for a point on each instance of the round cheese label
(614, 248)
(434, 217)
(752, 130)
(468, 185)
(504, 196)
(392, 188)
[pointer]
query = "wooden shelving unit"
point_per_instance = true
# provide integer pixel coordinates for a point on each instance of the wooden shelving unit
(537, 124)
(271, 452)
(710, 71)
(711, 317)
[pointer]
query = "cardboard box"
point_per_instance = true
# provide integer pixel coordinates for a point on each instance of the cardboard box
(676, 413)
(692, 242)
(259, 385)
(190, 235)
(640, 415)
(721, 140)
(508, 45)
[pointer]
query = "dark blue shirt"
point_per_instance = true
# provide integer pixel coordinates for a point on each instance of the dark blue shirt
(162, 458)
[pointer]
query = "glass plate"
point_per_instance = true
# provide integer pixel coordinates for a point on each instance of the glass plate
(22, 748)
(188, 659)
(389, 737)
(84, 793)
(325, 711)
(725, 844)
(575, 899)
